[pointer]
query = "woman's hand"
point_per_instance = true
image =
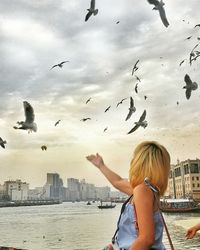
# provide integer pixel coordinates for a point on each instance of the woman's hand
(97, 160)
(191, 232)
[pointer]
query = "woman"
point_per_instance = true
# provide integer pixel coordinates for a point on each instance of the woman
(140, 226)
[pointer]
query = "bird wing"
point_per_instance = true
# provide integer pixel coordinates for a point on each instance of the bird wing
(29, 112)
(88, 16)
(136, 86)
(92, 4)
(133, 129)
(2, 144)
(131, 102)
(54, 66)
(163, 16)
(188, 93)
(64, 62)
(143, 116)
(187, 80)
(129, 115)
(155, 2)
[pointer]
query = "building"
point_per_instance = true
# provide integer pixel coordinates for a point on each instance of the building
(55, 184)
(103, 193)
(16, 190)
(73, 190)
(184, 180)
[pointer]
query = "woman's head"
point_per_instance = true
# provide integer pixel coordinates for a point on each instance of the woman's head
(150, 160)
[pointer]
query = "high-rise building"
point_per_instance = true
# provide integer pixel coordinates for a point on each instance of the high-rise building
(73, 189)
(56, 186)
(16, 190)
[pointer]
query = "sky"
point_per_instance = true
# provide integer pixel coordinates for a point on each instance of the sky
(35, 35)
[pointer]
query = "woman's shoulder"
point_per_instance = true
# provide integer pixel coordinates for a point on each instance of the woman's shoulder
(142, 190)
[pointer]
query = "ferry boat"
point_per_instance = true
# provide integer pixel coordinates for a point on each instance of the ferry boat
(179, 205)
(105, 206)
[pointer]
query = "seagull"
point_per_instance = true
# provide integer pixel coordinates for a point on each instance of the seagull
(182, 62)
(120, 102)
(177, 103)
(192, 54)
(160, 8)
(91, 10)
(29, 123)
(105, 129)
(59, 64)
(138, 79)
(145, 97)
(141, 123)
(88, 100)
(135, 68)
(188, 38)
(2, 143)
(197, 25)
(107, 109)
(85, 119)
(136, 88)
(132, 109)
(117, 22)
(189, 86)
(43, 147)
(57, 123)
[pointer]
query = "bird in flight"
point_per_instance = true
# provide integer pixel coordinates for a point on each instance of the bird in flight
(120, 102)
(88, 100)
(57, 123)
(85, 119)
(189, 86)
(2, 143)
(188, 38)
(105, 129)
(197, 25)
(29, 123)
(141, 123)
(136, 88)
(132, 109)
(138, 79)
(44, 147)
(91, 10)
(182, 62)
(159, 6)
(135, 68)
(60, 65)
(117, 22)
(107, 109)
(145, 97)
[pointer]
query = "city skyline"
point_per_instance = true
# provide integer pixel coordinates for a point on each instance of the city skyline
(37, 35)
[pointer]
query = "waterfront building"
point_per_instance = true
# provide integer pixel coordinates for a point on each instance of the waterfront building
(16, 190)
(73, 189)
(184, 179)
(103, 193)
(56, 186)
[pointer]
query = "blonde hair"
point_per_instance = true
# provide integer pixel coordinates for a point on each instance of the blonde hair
(150, 160)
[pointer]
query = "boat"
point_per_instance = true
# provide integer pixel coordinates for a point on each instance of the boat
(179, 205)
(88, 203)
(105, 206)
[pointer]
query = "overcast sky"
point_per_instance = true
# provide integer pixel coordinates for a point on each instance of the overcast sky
(35, 35)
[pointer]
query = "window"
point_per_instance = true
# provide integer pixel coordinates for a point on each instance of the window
(194, 168)
(193, 185)
(193, 178)
(197, 178)
(177, 172)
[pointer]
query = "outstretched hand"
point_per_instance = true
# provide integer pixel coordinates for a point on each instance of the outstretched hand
(191, 232)
(97, 160)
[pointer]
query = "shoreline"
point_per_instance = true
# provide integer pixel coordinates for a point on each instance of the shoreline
(28, 203)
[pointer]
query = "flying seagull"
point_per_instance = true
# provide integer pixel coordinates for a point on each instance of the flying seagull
(43, 147)
(105, 129)
(107, 109)
(60, 65)
(91, 10)
(138, 79)
(145, 97)
(120, 102)
(141, 123)
(29, 123)
(117, 22)
(132, 109)
(188, 38)
(2, 143)
(159, 6)
(85, 119)
(135, 68)
(197, 25)
(88, 100)
(177, 103)
(192, 54)
(136, 88)
(57, 123)
(189, 86)
(182, 62)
